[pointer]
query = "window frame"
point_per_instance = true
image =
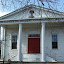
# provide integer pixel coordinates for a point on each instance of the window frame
(33, 37)
(56, 41)
(11, 42)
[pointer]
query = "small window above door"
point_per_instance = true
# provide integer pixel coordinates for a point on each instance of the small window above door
(34, 35)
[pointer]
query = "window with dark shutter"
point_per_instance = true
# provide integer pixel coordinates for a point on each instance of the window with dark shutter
(14, 41)
(54, 42)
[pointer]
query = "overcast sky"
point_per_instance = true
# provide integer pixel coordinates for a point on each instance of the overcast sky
(60, 7)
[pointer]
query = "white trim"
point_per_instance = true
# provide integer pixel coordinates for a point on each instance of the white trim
(18, 22)
(31, 21)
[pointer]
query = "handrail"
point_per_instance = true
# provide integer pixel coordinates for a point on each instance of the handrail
(51, 53)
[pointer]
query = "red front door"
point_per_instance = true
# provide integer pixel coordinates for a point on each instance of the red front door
(33, 45)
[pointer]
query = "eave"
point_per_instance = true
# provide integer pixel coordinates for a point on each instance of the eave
(31, 20)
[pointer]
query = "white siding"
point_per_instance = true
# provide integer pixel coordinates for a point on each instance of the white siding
(29, 29)
(9, 52)
(57, 54)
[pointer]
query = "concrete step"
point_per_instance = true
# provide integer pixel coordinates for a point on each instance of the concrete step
(32, 62)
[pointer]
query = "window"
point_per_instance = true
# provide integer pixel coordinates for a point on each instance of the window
(14, 41)
(54, 42)
(34, 35)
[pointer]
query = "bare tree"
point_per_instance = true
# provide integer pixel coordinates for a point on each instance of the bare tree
(15, 4)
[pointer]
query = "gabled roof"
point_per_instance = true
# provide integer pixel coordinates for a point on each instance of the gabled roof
(31, 6)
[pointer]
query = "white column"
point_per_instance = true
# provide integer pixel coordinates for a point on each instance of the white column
(2, 32)
(2, 42)
(42, 42)
(20, 42)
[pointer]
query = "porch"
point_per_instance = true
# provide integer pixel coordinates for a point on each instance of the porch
(45, 30)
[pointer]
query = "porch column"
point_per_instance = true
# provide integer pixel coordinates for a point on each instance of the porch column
(42, 42)
(2, 42)
(20, 42)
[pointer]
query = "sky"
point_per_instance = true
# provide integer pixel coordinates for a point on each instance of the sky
(59, 6)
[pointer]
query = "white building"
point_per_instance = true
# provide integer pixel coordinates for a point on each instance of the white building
(33, 34)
